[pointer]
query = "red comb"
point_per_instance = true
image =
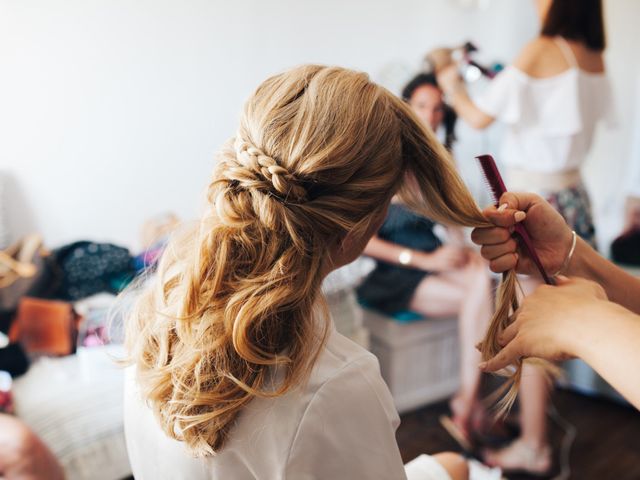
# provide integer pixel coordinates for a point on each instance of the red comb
(497, 187)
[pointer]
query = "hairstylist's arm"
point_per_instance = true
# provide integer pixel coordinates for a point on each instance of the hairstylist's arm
(454, 87)
(552, 240)
(575, 319)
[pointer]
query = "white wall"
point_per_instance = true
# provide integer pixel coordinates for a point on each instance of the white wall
(111, 110)
(609, 166)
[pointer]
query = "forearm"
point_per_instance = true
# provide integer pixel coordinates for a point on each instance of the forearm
(610, 345)
(468, 111)
(390, 252)
(383, 250)
(621, 287)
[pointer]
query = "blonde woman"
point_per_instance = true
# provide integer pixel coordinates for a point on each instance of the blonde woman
(237, 371)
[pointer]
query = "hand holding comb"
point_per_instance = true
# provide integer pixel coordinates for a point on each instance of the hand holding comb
(496, 186)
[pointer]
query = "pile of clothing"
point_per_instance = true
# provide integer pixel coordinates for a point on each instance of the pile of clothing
(51, 302)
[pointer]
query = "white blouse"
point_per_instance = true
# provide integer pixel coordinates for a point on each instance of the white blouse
(340, 425)
(550, 122)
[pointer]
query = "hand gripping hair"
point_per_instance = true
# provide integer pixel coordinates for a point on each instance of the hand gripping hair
(319, 153)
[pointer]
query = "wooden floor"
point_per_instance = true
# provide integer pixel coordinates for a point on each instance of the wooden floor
(607, 444)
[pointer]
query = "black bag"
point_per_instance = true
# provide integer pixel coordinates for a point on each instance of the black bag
(86, 268)
(13, 359)
(626, 248)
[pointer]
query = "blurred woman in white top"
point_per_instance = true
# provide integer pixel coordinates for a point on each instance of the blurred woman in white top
(551, 100)
(237, 373)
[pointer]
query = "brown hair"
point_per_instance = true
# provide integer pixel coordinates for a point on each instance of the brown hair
(450, 116)
(318, 154)
(579, 20)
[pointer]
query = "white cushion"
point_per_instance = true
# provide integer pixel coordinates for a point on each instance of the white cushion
(75, 405)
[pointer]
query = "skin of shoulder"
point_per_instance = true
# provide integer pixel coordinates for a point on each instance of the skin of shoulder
(541, 58)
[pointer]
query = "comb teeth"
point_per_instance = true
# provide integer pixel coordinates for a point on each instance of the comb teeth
(490, 188)
(492, 177)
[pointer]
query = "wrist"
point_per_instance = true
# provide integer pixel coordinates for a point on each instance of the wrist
(585, 331)
(421, 260)
(580, 264)
(564, 267)
(405, 257)
(454, 90)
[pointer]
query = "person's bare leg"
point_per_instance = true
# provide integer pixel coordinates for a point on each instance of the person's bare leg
(439, 295)
(531, 450)
(467, 294)
(534, 394)
(23, 456)
(473, 320)
(454, 463)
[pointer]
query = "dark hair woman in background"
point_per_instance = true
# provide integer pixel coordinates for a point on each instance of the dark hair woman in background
(551, 100)
(425, 97)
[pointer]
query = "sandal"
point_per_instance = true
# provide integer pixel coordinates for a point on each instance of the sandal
(468, 426)
(463, 423)
(520, 458)
(457, 433)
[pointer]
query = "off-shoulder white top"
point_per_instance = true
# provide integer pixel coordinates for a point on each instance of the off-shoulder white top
(550, 122)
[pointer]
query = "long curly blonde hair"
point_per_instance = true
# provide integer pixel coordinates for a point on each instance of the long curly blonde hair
(319, 153)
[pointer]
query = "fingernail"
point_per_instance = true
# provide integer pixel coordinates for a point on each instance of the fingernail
(519, 216)
(482, 365)
(503, 207)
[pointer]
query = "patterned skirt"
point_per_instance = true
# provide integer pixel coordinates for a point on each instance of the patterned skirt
(575, 206)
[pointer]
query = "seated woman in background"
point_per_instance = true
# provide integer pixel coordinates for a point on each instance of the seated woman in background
(237, 371)
(416, 273)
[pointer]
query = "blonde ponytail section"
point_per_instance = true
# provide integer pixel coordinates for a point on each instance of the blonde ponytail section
(235, 310)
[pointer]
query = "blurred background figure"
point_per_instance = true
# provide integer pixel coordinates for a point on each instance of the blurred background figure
(551, 100)
(424, 95)
(23, 456)
(416, 273)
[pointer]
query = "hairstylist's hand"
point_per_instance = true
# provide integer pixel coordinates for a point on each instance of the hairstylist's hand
(444, 259)
(550, 235)
(550, 322)
(439, 58)
(449, 79)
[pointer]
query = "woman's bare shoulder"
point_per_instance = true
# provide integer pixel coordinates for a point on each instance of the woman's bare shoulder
(541, 57)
